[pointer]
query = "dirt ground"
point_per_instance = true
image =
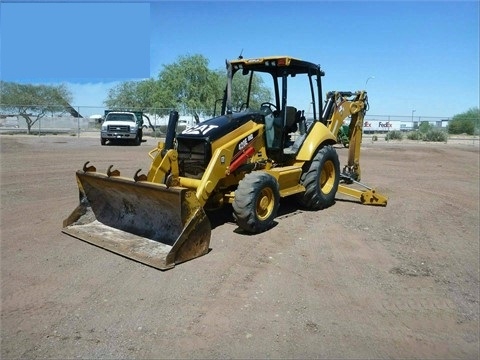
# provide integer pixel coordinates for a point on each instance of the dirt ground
(350, 281)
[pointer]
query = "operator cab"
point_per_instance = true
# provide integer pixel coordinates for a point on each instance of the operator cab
(294, 93)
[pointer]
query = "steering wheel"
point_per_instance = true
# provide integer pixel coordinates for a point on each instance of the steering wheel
(271, 106)
(241, 107)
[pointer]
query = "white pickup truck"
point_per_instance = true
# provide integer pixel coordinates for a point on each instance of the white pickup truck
(124, 126)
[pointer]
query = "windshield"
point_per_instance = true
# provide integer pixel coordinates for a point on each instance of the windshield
(120, 117)
(261, 90)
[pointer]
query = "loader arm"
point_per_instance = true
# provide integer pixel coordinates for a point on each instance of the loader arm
(165, 163)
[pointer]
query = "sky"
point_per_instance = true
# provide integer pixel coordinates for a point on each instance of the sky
(420, 56)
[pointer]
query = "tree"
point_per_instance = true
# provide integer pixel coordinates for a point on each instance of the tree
(467, 122)
(32, 102)
(133, 95)
(187, 85)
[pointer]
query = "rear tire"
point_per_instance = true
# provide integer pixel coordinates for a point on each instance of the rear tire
(321, 180)
(256, 202)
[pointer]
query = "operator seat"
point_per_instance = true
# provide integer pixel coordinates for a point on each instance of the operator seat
(294, 119)
(276, 133)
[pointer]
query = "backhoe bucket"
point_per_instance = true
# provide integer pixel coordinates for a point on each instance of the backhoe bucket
(143, 221)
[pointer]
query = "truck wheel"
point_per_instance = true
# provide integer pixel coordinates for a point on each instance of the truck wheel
(103, 141)
(321, 180)
(256, 202)
(138, 140)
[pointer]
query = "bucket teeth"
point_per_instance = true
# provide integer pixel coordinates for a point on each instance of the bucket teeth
(111, 172)
(88, 168)
(141, 177)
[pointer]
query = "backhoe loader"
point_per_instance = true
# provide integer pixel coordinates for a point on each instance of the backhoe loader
(254, 153)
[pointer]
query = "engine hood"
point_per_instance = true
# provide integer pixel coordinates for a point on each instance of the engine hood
(213, 129)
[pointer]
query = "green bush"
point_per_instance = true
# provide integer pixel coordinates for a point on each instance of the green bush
(414, 135)
(433, 134)
(394, 135)
(424, 127)
(436, 135)
(374, 138)
(465, 123)
(461, 126)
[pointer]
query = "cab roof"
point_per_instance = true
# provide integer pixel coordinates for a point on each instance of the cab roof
(276, 65)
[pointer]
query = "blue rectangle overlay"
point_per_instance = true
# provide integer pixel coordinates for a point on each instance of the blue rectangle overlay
(74, 41)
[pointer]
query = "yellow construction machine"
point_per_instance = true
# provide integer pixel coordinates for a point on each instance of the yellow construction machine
(254, 153)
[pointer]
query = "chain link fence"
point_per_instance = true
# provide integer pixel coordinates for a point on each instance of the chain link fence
(83, 120)
(86, 119)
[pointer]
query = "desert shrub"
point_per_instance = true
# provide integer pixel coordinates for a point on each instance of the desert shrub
(461, 126)
(374, 138)
(436, 135)
(394, 135)
(414, 135)
(465, 123)
(425, 127)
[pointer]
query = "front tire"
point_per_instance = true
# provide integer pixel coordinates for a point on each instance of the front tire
(103, 141)
(256, 202)
(137, 141)
(321, 180)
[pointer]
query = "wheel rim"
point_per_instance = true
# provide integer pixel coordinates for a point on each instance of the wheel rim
(265, 203)
(327, 177)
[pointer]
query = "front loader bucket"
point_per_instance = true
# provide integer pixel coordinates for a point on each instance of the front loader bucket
(144, 221)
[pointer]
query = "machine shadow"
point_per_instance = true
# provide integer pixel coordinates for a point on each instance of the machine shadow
(218, 217)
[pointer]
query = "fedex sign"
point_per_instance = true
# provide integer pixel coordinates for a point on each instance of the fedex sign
(373, 125)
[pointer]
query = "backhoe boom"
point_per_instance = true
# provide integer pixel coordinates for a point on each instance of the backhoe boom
(353, 105)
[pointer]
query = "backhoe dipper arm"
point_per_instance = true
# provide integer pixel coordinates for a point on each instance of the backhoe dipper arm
(358, 108)
(340, 105)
